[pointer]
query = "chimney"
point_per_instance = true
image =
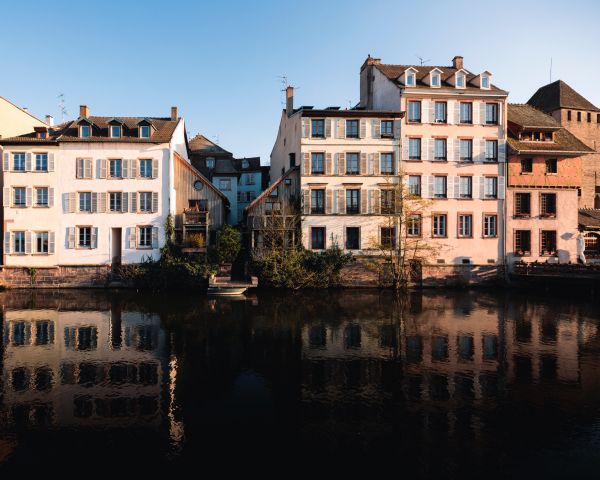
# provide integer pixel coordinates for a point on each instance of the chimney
(457, 62)
(174, 115)
(50, 120)
(84, 111)
(289, 100)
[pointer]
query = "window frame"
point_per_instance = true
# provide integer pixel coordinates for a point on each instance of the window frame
(469, 195)
(518, 205)
(110, 169)
(352, 121)
(315, 122)
(324, 235)
(139, 229)
(36, 235)
(314, 155)
(459, 217)
(409, 118)
(346, 244)
(119, 195)
(495, 106)
(469, 142)
(350, 194)
(35, 195)
(143, 128)
(521, 252)
(79, 198)
(440, 141)
(460, 114)
(317, 194)
(413, 141)
(551, 162)
(14, 197)
(390, 156)
(22, 237)
(435, 215)
(548, 253)
(78, 229)
(120, 131)
(41, 154)
(355, 155)
(485, 225)
(83, 128)
(445, 183)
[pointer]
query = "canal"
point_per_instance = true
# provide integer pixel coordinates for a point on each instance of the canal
(441, 384)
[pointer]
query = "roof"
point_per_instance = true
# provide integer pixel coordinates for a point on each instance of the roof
(393, 72)
(253, 164)
(589, 217)
(23, 110)
(527, 116)
(69, 132)
(557, 95)
(271, 187)
(201, 144)
(201, 177)
(348, 113)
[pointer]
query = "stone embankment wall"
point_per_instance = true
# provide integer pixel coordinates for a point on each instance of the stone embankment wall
(84, 276)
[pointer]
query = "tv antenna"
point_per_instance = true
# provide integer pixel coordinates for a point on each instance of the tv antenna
(216, 138)
(283, 79)
(423, 62)
(61, 106)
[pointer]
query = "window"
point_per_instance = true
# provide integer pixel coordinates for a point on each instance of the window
(317, 201)
(245, 164)
(146, 168)
(440, 112)
(410, 79)
(41, 162)
(352, 238)
(388, 237)
(41, 197)
(388, 201)
(19, 162)
(491, 187)
(18, 242)
(440, 186)
(145, 202)
(465, 225)
(144, 131)
(548, 204)
(548, 242)
(414, 149)
(115, 131)
(352, 165)
(413, 227)
(414, 111)
(569, 115)
(526, 165)
(435, 79)
(491, 150)
(387, 163)
(317, 238)
(250, 179)
(225, 184)
(490, 226)
(589, 117)
(85, 201)
(466, 112)
(551, 166)
(317, 128)
(579, 116)
(84, 239)
(460, 80)
(439, 224)
(598, 118)
(115, 201)
(440, 149)
(19, 197)
(41, 242)
(466, 150)
(414, 185)
(522, 242)
(485, 81)
(465, 186)
(292, 157)
(115, 168)
(387, 128)
(491, 114)
(352, 201)
(318, 163)
(85, 131)
(352, 129)
(522, 204)
(145, 237)
(210, 162)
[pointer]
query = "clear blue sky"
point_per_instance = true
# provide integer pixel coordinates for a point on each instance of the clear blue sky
(220, 61)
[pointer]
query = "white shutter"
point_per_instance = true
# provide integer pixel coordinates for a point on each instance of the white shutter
(28, 162)
(450, 111)
(457, 112)
(482, 113)
(328, 122)
(101, 167)
(94, 237)
(133, 165)
(363, 128)
(341, 163)
(79, 168)
(456, 186)
(475, 113)
(6, 163)
(87, 168)
(481, 187)
(125, 171)
(28, 196)
(305, 201)
(501, 187)
(94, 205)
(50, 162)
(363, 164)
(376, 164)
(427, 192)
(72, 202)
(481, 156)
(6, 197)
(499, 114)
(71, 237)
(132, 238)
(431, 149)
(305, 128)
(133, 201)
(376, 128)
(450, 186)
(154, 168)
(51, 243)
(431, 112)
(102, 202)
(397, 129)
(328, 201)
(154, 237)
(501, 151)
(405, 142)
(341, 128)
(341, 197)
(28, 242)
(306, 164)
(50, 196)
(456, 143)
(154, 202)
(124, 202)
(328, 164)
(7, 244)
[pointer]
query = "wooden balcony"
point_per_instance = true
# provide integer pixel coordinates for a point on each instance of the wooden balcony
(273, 222)
(195, 217)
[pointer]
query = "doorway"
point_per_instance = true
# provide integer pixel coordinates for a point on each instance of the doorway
(116, 247)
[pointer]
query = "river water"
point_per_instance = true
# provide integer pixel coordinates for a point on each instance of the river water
(444, 384)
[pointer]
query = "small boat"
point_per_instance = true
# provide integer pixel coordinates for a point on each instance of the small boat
(224, 286)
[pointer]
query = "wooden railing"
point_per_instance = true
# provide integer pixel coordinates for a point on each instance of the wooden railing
(195, 217)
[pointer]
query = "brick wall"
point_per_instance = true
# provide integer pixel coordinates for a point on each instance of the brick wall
(56, 277)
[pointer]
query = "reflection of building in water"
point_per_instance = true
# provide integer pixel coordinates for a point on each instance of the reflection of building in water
(83, 368)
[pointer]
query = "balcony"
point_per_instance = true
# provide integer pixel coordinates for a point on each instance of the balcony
(194, 216)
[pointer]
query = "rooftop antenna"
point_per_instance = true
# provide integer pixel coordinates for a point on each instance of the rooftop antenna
(349, 104)
(550, 69)
(283, 79)
(423, 62)
(216, 138)
(61, 106)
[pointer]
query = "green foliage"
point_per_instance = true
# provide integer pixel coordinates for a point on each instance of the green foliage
(228, 244)
(300, 268)
(33, 273)
(169, 229)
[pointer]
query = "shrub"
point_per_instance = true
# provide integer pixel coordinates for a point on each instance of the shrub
(196, 241)
(228, 244)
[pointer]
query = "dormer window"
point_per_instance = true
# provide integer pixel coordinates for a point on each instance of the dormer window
(460, 80)
(85, 131)
(144, 131)
(435, 79)
(115, 131)
(485, 81)
(410, 79)
(245, 164)
(210, 162)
